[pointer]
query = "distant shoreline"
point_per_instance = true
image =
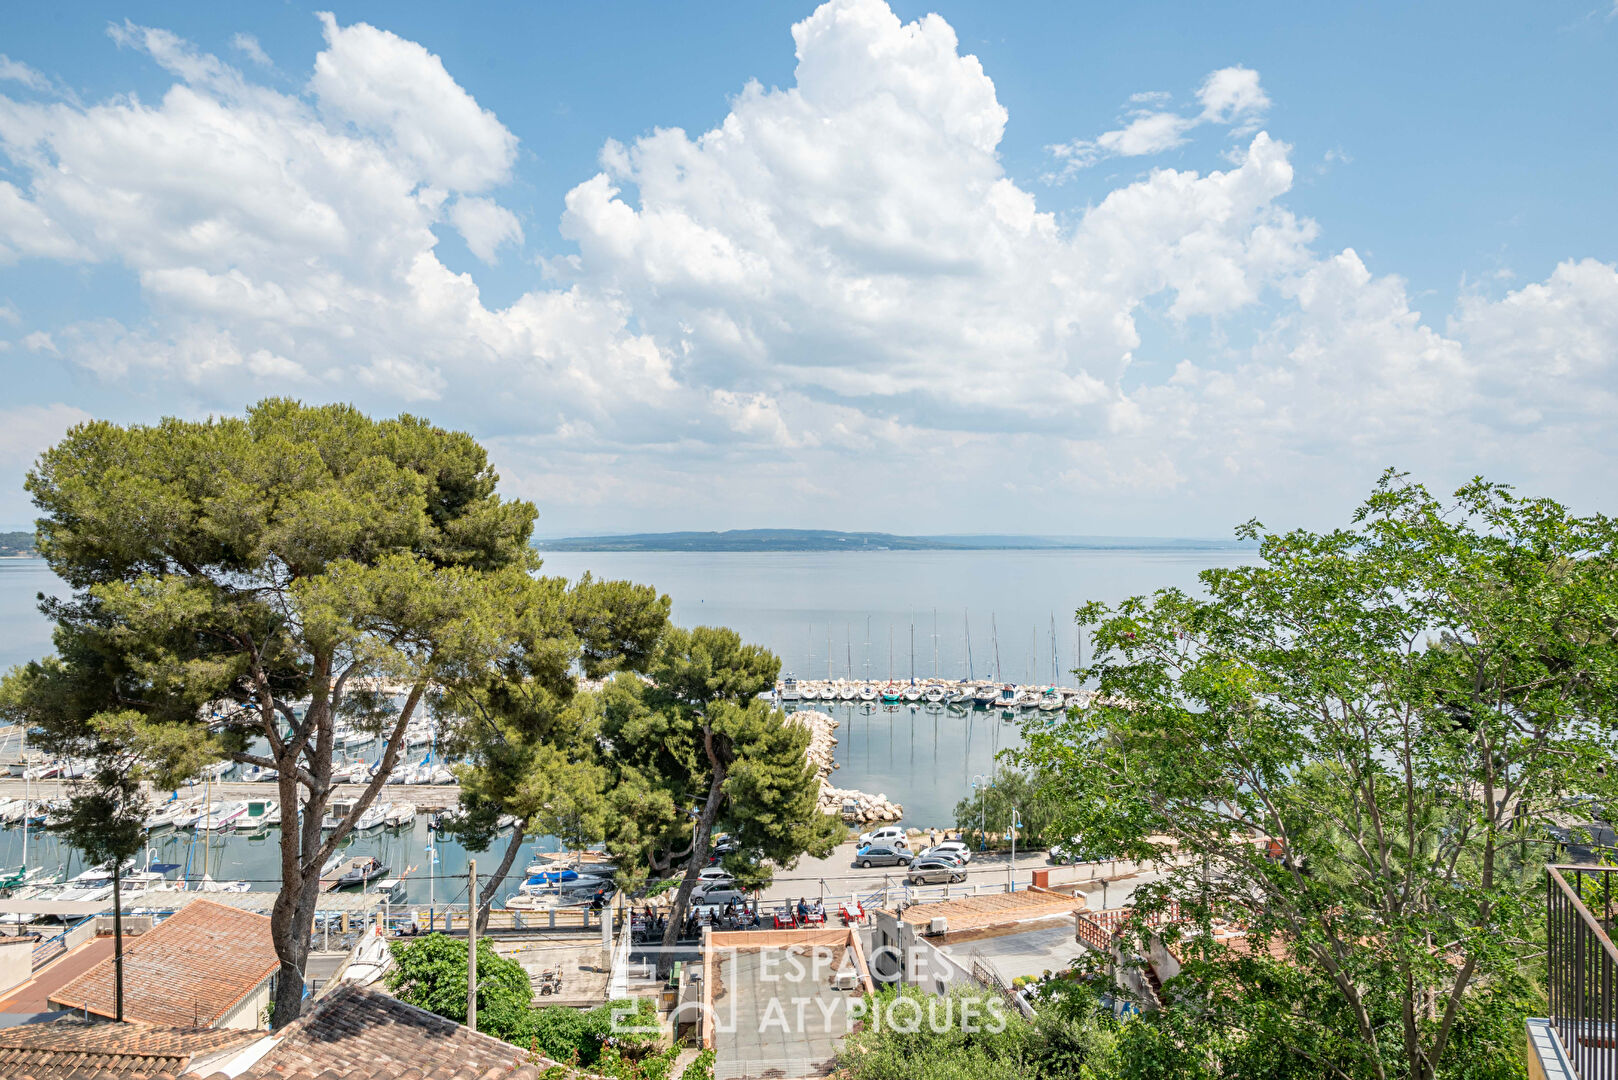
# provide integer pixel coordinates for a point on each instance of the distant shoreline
(814, 540)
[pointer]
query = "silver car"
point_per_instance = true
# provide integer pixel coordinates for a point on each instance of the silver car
(882, 855)
(934, 872)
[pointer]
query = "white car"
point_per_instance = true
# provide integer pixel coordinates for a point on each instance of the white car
(951, 847)
(713, 873)
(887, 834)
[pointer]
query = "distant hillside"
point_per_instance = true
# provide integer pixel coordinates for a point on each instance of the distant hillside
(16, 543)
(827, 540)
(744, 540)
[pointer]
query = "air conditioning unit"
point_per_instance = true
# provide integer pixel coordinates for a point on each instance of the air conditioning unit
(940, 925)
(845, 980)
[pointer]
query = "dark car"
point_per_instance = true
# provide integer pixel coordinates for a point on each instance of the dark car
(934, 872)
(882, 855)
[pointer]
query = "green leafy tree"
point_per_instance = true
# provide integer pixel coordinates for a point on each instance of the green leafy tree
(991, 808)
(531, 739)
(1351, 749)
(695, 749)
(257, 578)
(431, 974)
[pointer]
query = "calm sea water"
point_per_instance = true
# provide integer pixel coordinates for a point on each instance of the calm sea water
(886, 614)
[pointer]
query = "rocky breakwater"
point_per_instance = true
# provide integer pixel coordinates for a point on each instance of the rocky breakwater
(852, 806)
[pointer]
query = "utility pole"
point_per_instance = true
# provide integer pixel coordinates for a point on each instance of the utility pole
(118, 937)
(472, 945)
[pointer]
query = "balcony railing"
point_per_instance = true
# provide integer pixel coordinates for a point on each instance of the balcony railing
(1582, 967)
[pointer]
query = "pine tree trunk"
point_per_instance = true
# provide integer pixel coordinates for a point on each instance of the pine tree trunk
(700, 840)
(499, 877)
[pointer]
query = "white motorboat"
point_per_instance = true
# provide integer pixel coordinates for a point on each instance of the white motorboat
(259, 815)
(373, 817)
(336, 811)
(442, 775)
(357, 772)
(209, 885)
(418, 734)
(192, 815)
(788, 690)
(168, 815)
(47, 770)
(1050, 700)
(985, 696)
(400, 814)
(222, 816)
(348, 737)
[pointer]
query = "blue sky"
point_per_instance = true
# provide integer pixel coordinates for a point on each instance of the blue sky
(919, 278)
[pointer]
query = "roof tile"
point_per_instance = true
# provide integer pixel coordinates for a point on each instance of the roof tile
(191, 969)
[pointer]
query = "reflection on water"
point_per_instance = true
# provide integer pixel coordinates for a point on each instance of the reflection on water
(923, 757)
(256, 859)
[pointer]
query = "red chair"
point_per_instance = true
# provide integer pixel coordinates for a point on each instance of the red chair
(785, 920)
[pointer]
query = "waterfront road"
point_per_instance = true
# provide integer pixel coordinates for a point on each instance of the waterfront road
(837, 875)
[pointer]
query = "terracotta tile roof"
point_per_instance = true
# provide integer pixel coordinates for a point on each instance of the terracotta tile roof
(190, 970)
(357, 1033)
(993, 909)
(76, 1049)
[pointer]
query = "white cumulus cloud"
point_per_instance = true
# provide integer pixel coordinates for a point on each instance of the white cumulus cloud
(836, 297)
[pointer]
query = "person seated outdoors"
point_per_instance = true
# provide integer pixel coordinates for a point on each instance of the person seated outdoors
(803, 910)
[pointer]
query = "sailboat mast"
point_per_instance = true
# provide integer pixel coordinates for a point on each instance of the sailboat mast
(966, 622)
(935, 643)
(912, 649)
(848, 644)
(994, 635)
(1055, 677)
(828, 651)
(890, 652)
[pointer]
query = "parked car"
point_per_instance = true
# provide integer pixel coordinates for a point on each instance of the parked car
(882, 855)
(935, 872)
(887, 834)
(713, 873)
(713, 901)
(722, 846)
(953, 847)
(709, 886)
(943, 853)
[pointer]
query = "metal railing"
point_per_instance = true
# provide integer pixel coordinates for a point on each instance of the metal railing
(1582, 967)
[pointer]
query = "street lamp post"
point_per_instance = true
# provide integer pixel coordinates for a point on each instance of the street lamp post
(980, 784)
(1011, 867)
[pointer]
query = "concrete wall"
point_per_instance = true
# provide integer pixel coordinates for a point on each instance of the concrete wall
(249, 1010)
(79, 934)
(901, 954)
(16, 960)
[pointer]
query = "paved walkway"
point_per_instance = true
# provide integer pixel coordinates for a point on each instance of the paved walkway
(30, 996)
